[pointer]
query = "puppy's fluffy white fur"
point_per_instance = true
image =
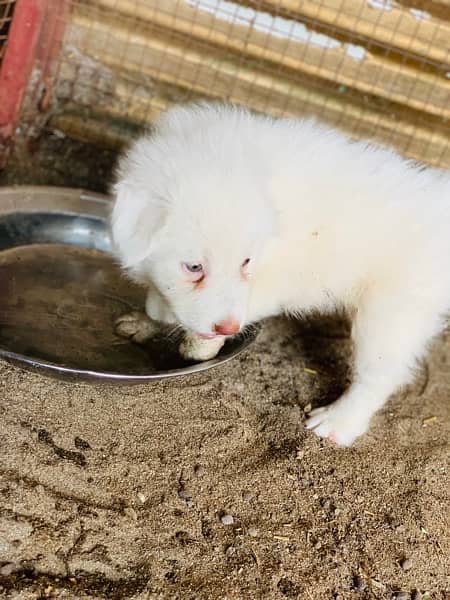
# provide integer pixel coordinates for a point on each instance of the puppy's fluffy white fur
(326, 222)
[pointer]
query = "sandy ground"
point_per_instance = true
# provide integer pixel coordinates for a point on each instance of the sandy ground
(210, 487)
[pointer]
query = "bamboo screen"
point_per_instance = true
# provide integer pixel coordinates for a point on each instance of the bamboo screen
(378, 69)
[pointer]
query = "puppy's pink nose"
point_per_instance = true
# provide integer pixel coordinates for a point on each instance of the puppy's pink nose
(227, 327)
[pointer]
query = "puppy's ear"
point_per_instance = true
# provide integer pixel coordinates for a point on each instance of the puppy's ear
(136, 218)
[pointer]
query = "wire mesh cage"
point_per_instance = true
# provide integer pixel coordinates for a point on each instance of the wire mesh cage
(379, 69)
(6, 11)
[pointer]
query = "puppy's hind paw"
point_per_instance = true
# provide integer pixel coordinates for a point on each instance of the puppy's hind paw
(135, 326)
(337, 422)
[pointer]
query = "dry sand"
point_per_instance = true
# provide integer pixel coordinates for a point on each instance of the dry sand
(210, 487)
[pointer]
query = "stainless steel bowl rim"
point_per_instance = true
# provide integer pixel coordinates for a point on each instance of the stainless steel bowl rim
(78, 202)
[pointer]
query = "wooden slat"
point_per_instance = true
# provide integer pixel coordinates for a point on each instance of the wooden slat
(367, 73)
(382, 21)
(165, 62)
(90, 130)
(430, 6)
(443, 2)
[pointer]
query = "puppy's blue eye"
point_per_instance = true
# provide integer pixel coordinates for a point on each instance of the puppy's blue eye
(194, 267)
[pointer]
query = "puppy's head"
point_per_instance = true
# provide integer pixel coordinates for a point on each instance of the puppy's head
(192, 216)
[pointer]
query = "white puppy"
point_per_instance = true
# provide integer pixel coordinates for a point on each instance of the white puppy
(229, 218)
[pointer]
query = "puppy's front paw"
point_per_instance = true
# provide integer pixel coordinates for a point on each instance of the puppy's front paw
(135, 326)
(194, 348)
(339, 422)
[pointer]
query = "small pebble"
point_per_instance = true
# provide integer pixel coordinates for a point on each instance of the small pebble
(247, 496)
(58, 134)
(393, 522)
(402, 596)
(252, 532)
(227, 519)
(81, 444)
(406, 564)
(141, 497)
(184, 495)
(131, 513)
(359, 584)
(199, 470)
(7, 569)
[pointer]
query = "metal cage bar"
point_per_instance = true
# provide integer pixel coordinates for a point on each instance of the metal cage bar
(31, 49)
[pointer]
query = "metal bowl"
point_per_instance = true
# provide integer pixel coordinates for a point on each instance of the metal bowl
(61, 291)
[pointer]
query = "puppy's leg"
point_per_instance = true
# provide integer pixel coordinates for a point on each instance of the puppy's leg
(157, 308)
(390, 331)
(139, 326)
(194, 348)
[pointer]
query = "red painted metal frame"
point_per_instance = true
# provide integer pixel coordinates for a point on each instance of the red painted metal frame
(16, 65)
(34, 38)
